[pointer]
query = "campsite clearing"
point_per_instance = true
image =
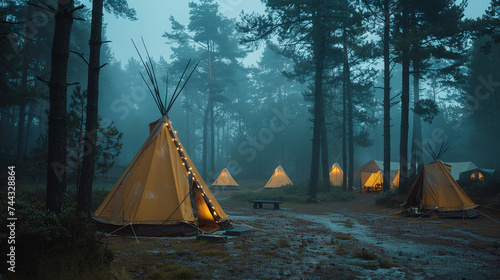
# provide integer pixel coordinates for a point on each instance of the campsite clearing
(342, 240)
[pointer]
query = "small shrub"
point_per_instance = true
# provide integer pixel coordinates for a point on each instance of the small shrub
(386, 197)
(365, 255)
(284, 243)
(59, 246)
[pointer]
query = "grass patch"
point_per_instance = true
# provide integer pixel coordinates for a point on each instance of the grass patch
(341, 251)
(173, 271)
(284, 243)
(343, 236)
(387, 264)
(215, 253)
(445, 225)
(268, 254)
(365, 255)
(348, 223)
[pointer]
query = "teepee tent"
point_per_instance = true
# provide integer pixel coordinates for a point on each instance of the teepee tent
(435, 192)
(160, 193)
(278, 179)
(336, 175)
(225, 182)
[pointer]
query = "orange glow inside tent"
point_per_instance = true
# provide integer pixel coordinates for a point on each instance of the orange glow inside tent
(225, 179)
(278, 179)
(336, 175)
(161, 187)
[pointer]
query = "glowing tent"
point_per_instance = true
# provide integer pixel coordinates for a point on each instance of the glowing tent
(369, 177)
(336, 175)
(160, 193)
(225, 182)
(478, 174)
(278, 179)
(435, 192)
(459, 167)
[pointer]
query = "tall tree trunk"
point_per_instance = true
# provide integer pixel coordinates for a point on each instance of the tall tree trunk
(344, 129)
(22, 107)
(205, 139)
(324, 150)
(417, 153)
(188, 121)
(31, 113)
(20, 133)
(319, 58)
(405, 100)
(350, 125)
(212, 142)
(91, 126)
(387, 99)
(56, 167)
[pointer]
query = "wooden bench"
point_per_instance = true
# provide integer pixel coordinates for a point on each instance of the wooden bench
(258, 203)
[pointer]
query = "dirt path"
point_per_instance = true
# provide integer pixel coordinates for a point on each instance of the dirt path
(349, 240)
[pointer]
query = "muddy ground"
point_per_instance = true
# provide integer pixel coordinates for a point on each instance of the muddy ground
(345, 240)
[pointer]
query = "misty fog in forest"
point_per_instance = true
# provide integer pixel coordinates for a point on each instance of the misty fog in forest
(262, 91)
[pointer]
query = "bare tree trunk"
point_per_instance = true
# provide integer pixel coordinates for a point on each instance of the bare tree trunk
(20, 133)
(405, 100)
(205, 140)
(22, 107)
(212, 142)
(344, 130)
(350, 125)
(387, 99)
(319, 58)
(91, 126)
(56, 167)
(31, 113)
(417, 153)
(324, 151)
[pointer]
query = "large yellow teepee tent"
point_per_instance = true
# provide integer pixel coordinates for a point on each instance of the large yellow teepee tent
(224, 182)
(278, 179)
(336, 175)
(160, 193)
(436, 192)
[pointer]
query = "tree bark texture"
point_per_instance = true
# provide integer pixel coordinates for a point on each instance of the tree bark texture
(86, 179)
(56, 167)
(405, 100)
(387, 99)
(319, 58)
